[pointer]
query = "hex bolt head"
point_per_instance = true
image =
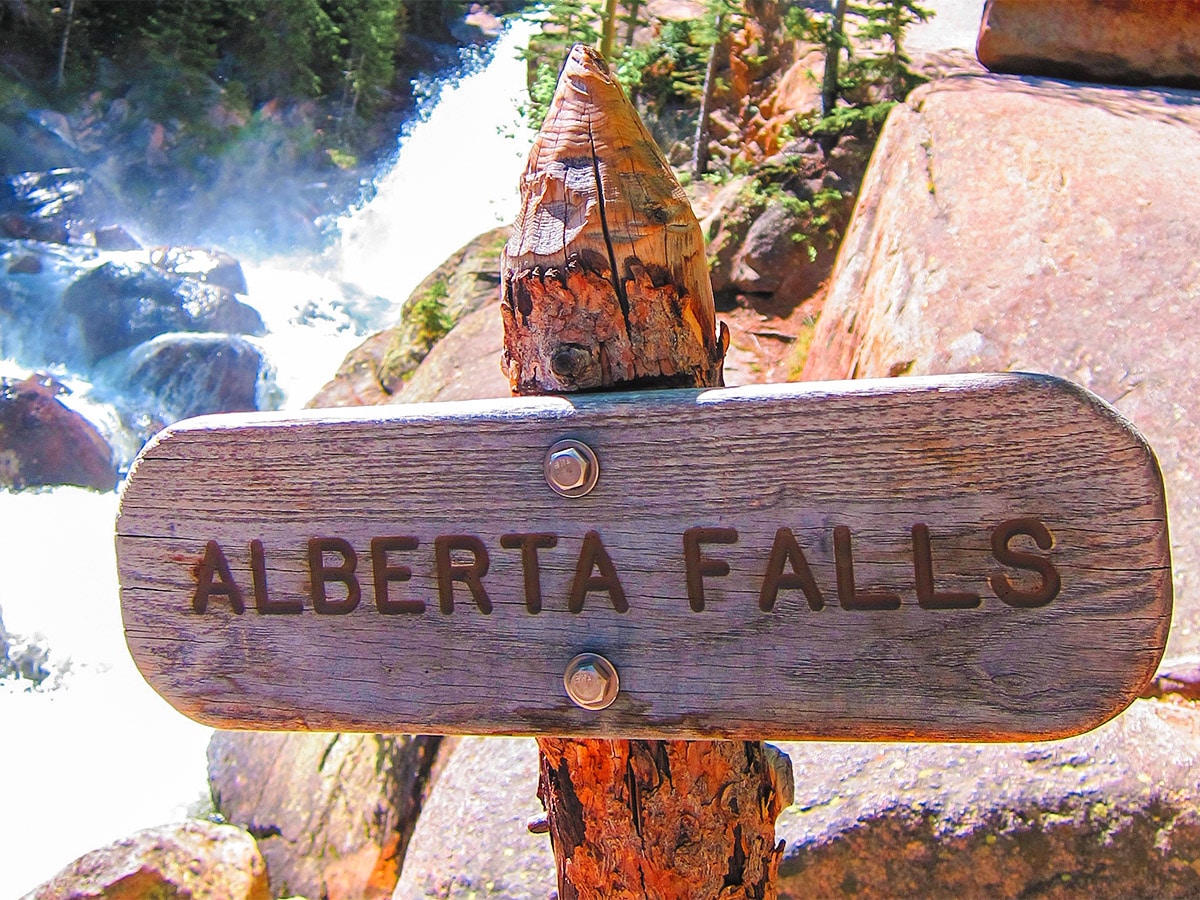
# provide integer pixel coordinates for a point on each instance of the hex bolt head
(571, 468)
(591, 681)
(568, 469)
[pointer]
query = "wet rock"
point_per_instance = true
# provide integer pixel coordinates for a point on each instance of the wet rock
(467, 281)
(1067, 248)
(26, 146)
(30, 228)
(22, 657)
(333, 813)
(1108, 814)
(194, 859)
(25, 264)
(119, 306)
(1116, 41)
(182, 375)
(42, 206)
(473, 837)
(213, 267)
(43, 442)
(114, 237)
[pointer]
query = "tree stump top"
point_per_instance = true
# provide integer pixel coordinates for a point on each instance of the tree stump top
(604, 278)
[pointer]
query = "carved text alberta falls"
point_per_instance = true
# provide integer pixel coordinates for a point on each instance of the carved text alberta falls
(465, 560)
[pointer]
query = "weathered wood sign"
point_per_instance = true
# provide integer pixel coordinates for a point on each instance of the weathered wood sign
(965, 558)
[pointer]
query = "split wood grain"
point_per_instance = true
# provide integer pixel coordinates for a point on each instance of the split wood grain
(604, 280)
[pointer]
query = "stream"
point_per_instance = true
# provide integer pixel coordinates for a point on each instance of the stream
(92, 754)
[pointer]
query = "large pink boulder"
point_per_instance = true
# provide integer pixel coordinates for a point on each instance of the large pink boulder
(1014, 225)
(1115, 41)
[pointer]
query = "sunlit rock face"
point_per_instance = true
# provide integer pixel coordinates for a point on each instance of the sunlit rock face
(190, 859)
(1137, 42)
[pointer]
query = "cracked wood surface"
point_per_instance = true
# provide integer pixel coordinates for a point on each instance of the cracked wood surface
(604, 280)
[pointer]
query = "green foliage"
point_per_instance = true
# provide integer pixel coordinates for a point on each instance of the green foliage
(876, 68)
(423, 322)
(267, 48)
(820, 217)
(427, 316)
(882, 22)
(798, 355)
(865, 121)
(669, 69)
(564, 23)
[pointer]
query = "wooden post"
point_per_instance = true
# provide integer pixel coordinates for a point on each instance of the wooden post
(605, 286)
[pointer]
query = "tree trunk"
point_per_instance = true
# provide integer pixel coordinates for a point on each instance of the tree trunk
(60, 74)
(700, 150)
(631, 26)
(608, 28)
(833, 50)
(605, 278)
(605, 285)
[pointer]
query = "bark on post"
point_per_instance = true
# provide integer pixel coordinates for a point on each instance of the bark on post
(605, 286)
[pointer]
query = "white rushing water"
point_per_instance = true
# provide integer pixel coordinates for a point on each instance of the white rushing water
(94, 754)
(456, 176)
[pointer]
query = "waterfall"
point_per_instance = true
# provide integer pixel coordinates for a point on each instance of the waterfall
(93, 754)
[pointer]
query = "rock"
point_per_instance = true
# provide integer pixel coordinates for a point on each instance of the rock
(356, 382)
(724, 227)
(473, 838)
(41, 206)
(333, 813)
(1116, 41)
(25, 146)
(464, 365)
(29, 228)
(195, 860)
(479, 26)
(25, 264)
(772, 261)
(182, 375)
(22, 657)
(42, 442)
(1066, 248)
(1177, 678)
(114, 237)
(1111, 813)
(215, 267)
(119, 306)
(467, 281)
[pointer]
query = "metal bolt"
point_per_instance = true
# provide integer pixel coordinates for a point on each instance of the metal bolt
(591, 681)
(571, 468)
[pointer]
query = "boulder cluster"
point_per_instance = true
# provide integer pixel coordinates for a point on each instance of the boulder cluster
(161, 331)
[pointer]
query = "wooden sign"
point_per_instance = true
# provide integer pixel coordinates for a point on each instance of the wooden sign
(964, 558)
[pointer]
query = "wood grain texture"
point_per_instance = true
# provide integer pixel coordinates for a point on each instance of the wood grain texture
(959, 455)
(604, 280)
